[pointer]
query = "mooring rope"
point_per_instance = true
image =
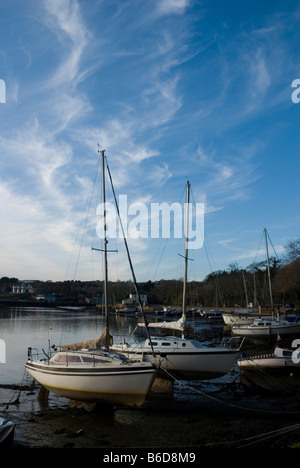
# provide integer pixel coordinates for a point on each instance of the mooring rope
(219, 400)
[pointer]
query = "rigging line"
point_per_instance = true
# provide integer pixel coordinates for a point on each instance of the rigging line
(272, 245)
(271, 434)
(88, 206)
(256, 255)
(260, 370)
(163, 244)
(129, 258)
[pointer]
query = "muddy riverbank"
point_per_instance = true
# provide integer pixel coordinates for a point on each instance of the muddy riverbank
(196, 416)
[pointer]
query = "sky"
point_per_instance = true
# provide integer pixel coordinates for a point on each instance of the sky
(173, 91)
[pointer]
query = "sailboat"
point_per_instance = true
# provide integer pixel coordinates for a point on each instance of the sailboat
(181, 357)
(266, 327)
(276, 372)
(94, 375)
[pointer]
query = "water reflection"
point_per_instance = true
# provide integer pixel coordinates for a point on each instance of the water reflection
(39, 327)
(21, 328)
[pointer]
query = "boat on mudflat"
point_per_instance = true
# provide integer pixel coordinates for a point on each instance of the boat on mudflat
(273, 372)
(282, 360)
(182, 358)
(94, 374)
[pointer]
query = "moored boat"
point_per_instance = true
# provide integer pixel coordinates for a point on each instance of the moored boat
(267, 328)
(182, 358)
(281, 360)
(94, 375)
(277, 372)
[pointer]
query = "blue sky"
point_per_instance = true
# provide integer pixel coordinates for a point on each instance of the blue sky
(173, 90)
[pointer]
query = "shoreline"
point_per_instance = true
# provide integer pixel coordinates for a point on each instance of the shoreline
(228, 418)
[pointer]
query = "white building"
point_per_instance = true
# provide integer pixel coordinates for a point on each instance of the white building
(19, 288)
(133, 299)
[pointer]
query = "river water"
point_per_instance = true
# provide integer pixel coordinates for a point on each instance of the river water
(35, 327)
(196, 415)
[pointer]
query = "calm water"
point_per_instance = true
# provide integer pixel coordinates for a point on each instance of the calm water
(35, 327)
(171, 421)
(21, 328)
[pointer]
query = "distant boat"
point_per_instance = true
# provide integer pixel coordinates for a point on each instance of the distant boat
(267, 328)
(211, 314)
(94, 375)
(126, 310)
(183, 358)
(241, 317)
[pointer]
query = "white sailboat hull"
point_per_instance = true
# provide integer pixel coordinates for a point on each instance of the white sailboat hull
(183, 359)
(111, 382)
(275, 372)
(267, 330)
(237, 318)
(267, 363)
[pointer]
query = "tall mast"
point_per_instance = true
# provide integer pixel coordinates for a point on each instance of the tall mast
(186, 252)
(268, 265)
(105, 254)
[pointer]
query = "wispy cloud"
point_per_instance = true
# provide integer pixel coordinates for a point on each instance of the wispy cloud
(164, 88)
(64, 18)
(166, 7)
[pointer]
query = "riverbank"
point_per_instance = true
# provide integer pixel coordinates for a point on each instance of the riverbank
(194, 417)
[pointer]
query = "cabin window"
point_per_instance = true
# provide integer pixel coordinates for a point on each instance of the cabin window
(88, 358)
(165, 343)
(183, 344)
(154, 343)
(73, 358)
(62, 358)
(93, 359)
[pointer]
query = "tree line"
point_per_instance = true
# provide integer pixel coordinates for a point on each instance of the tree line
(232, 287)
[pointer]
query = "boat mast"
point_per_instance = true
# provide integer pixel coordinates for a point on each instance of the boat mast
(129, 259)
(186, 253)
(105, 254)
(268, 266)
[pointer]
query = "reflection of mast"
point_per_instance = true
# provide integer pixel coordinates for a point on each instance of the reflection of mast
(268, 265)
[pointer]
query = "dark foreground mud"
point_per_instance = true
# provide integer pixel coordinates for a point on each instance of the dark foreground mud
(195, 417)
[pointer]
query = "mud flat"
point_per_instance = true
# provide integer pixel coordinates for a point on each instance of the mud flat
(196, 416)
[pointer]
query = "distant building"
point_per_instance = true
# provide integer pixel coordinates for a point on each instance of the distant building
(133, 299)
(19, 288)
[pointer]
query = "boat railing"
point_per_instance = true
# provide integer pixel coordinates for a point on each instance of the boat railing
(233, 342)
(34, 354)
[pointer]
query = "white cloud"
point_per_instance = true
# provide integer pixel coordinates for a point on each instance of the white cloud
(64, 18)
(165, 7)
